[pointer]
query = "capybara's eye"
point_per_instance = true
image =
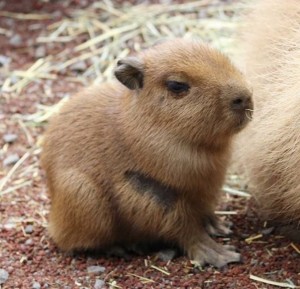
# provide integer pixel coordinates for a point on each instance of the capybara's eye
(177, 87)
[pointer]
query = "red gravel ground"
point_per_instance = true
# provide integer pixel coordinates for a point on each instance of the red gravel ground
(31, 258)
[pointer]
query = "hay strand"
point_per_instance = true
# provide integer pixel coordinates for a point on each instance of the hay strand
(270, 282)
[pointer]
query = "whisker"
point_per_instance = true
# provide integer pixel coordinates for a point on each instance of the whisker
(249, 115)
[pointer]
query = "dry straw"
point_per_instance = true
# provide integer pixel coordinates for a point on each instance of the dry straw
(112, 32)
(271, 282)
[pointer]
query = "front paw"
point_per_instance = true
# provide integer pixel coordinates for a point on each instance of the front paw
(210, 252)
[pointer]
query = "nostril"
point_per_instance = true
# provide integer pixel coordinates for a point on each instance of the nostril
(238, 103)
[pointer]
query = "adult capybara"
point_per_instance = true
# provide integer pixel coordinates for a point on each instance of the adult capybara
(269, 148)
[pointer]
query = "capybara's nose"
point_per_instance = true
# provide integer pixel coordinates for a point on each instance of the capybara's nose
(242, 102)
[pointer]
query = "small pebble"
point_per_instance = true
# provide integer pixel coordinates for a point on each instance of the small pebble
(36, 285)
(3, 276)
(4, 60)
(79, 66)
(9, 22)
(268, 231)
(99, 284)
(166, 255)
(29, 242)
(95, 269)
(40, 52)
(10, 137)
(14, 79)
(28, 229)
(57, 14)
(9, 224)
(16, 40)
(10, 160)
(35, 26)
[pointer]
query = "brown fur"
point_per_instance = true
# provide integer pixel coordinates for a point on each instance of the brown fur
(269, 149)
(144, 163)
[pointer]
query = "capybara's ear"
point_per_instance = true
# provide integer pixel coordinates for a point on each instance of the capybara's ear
(130, 72)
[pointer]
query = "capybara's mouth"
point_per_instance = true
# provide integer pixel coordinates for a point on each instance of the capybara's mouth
(243, 110)
(244, 117)
(249, 113)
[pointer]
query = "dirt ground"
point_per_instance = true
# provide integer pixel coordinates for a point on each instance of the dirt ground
(29, 259)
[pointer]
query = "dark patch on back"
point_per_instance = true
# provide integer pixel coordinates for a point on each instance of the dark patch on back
(163, 194)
